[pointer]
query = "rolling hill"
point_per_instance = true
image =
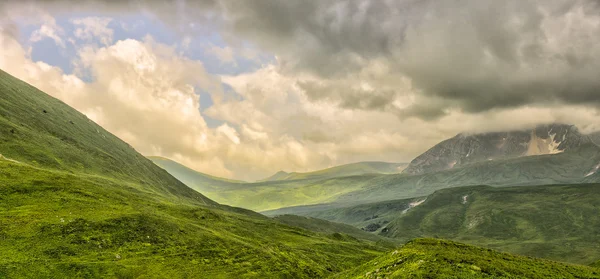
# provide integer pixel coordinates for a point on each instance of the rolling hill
(579, 165)
(434, 258)
(558, 222)
(341, 171)
(77, 202)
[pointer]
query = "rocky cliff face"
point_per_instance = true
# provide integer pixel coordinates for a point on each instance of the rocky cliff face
(465, 149)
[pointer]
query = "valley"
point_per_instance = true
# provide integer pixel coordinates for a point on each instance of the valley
(76, 201)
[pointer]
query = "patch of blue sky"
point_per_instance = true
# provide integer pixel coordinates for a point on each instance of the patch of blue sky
(137, 27)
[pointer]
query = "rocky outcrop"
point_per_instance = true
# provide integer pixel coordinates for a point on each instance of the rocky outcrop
(466, 149)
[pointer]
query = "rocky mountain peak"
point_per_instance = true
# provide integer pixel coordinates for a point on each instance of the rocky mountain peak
(471, 148)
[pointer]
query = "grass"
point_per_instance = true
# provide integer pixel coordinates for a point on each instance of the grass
(558, 222)
(323, 226)
(77, 202)
(434, 258)
(55, 223)
(41, 131)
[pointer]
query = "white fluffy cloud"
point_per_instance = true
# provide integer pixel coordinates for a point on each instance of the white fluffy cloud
(93, 28)
(284, 117)
(49, 29)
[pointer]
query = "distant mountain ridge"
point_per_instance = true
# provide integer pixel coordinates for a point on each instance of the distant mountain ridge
(358, 168)
(466, 149)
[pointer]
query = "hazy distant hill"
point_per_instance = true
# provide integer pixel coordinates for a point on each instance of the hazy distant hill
(465, 149)
(198, 181)
(576, 165)
(341, 171)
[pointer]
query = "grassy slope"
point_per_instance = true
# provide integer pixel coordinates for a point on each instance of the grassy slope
(558, 221)
(42, 131)
(341, 171)
(75, 201)
(432, 258)
(75, 225)
(360, 215)
(323, 226)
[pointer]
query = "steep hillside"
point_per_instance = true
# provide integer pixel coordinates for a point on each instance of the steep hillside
(42, 131)
(559, 222)
(432, 258)
(76, 202)
(595, 137)
(466, 149)
(341, 171)
(556, 222)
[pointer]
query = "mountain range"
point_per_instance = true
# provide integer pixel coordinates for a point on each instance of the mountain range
(78, 202)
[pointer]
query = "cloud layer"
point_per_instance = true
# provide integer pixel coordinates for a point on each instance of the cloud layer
(353, 80)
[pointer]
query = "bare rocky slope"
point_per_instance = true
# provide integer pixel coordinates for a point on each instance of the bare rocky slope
(465, 149)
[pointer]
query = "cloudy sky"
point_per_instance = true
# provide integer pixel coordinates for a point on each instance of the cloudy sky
(242, 89)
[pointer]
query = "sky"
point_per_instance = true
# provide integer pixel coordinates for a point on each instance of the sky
(243, 89)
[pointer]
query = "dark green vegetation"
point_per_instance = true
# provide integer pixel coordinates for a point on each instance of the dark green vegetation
(77, 202)
(323, 226)
(360, 216)
(558, 222)
(341, 171)
(432, 258)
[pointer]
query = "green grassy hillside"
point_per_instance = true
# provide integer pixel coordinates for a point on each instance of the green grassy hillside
(323, 226)
(558, 222)
(432, 258)
(341, 171)
(42, 131)
(371, 215)
(54, 223)
(76, 202)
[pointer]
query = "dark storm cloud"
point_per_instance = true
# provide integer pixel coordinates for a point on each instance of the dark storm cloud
(346, 97)
(471, 55)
